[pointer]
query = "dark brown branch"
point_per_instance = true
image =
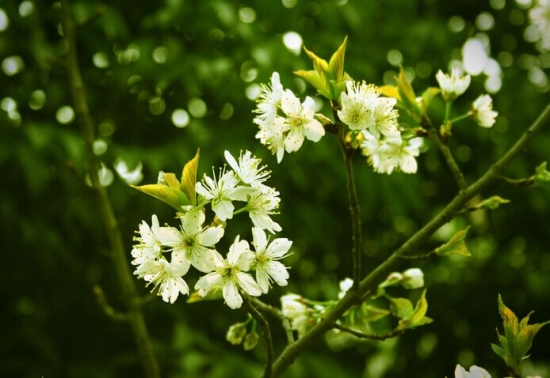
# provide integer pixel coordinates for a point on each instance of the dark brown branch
(106, 307)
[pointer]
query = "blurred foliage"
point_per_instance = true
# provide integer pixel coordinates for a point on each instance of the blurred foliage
(141, 63)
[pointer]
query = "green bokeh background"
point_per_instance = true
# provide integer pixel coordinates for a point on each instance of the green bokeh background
(54, 248)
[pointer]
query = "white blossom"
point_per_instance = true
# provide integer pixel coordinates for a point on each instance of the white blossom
(230, 275)
(248, 169)
(266, 255)
(261, 204)
(540, 17)
(166, 276)
(452, 85)
(193, 242)
(391, 154)
(296, 311)
(482, 111)
(269, 99)
(475, 372)
(345, 285)
(363, 109)
(149, 246)
(300, 120)
(221, 193)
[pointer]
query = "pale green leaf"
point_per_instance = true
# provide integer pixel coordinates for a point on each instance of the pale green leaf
(166, 194)
(189, 178)
(542, 176)
(456, 245)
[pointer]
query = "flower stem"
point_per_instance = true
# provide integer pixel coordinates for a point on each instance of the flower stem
(118, 253)
(444, 148)
(264, 324)
(355, 213)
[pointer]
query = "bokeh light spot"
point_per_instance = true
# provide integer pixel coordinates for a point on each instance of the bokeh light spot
(293, 42)
(4, 20)
(65, 115)
(197, 107)
(160, 54)
(247, 15)
(37, 99)
(101, 60)
(12, 65)
(157, 105)
(395, 58)
(456, 24)
(485, 21)
(180, 118)
(26, 8)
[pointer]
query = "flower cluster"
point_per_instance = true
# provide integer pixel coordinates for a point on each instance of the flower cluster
(164, 254)
(284, 121)
(372, 120)
(455, 84)
(540, 17)
(302, 313)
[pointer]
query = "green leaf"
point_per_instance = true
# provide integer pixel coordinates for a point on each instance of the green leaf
(427, 98)
(456, 245)
(418, 316)
(420, 311)
(542, 176)
(518, 337)
(315, 80)
(328, 78)
(371, 313)
(492, 203)
(401, 308)
(213, 295)
(336, 63)
(169, 180)
(166, 194)
(189, 178)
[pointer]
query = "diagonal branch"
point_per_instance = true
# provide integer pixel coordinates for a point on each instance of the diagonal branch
(292, 351)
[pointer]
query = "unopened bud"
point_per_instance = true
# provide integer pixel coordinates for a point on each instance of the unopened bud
(236, 333)
(413, 278)
(251, 341)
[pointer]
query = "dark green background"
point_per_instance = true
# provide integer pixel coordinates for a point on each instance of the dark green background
(54, 247)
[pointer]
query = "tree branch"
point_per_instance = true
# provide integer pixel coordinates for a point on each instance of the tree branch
(127, 287)
(292, 351)
(257, 315)
(380, 337)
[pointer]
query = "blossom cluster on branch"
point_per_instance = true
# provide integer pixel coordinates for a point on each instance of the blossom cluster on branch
(164, 254)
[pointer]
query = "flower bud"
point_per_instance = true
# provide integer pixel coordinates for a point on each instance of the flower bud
(413, 278)
(393, 279)
(251, 341)
(236, 333)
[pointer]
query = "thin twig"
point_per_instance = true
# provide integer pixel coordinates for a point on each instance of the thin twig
(268, 309)
(106, 307)
(264, 324)
(444, 148)
(355, 212)
(127, 287)
(380, 337)
(292, 351)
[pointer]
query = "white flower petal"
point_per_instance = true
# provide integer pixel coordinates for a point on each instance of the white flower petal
(231, 295)
(247, 283)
